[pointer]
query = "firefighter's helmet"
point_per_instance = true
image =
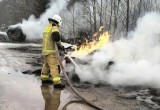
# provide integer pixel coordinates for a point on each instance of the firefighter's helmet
(56, 19)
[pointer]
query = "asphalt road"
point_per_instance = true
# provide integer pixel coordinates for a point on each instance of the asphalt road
(27, 58)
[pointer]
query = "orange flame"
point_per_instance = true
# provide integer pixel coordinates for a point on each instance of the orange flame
(100, 39)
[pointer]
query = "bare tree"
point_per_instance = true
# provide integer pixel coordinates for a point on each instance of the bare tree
(74, 24)
(115, 15)
(101, 13)
(127, 19)
(12, 11)
(94, 15)
(110, 20)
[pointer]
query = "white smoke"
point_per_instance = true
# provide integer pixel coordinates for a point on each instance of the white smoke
(19, 91)
(137, 60)
(33, 28)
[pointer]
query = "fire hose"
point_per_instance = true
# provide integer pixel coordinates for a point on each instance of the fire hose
(71, 86)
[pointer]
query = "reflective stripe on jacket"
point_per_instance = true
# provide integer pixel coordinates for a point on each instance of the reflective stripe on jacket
(48, 43)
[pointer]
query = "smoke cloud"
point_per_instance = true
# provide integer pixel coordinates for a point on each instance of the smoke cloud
(33, 28)
(137, 60)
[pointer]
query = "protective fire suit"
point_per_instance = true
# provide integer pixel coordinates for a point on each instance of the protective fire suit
(51, 63)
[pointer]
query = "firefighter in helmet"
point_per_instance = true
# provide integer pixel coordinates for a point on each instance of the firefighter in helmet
(51, 36)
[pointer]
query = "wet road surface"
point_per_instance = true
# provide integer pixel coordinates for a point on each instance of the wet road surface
(107, 97)
(51, 96)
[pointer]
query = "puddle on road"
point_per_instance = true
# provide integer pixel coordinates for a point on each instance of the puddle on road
(19, 91)
(26, 86)
(51, 97)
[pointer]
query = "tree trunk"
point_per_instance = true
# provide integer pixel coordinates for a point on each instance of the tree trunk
(91, 26)
(118, 6)
(74, 25)
(110, 20)
(127, 19)
(101, 24)
(115, 16)
(140, 4)
(94, 15)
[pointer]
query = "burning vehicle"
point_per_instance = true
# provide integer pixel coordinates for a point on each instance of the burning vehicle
(15, 34)
(82, 54)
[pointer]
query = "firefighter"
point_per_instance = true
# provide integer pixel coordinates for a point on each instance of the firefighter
(51, 35)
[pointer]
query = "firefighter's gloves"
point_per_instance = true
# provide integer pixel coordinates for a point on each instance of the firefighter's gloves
(62, 50)
(61, 47)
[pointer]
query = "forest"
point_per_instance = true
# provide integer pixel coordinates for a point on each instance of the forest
(82, 18)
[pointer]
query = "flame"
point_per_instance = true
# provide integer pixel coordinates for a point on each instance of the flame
(100, 39)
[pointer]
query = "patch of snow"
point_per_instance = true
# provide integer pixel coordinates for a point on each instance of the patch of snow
(66, 45)
(3, 33)
(19, 91)
(9, 45)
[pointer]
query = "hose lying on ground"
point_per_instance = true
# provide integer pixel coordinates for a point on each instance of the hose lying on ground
(71, 102)
(74, 90)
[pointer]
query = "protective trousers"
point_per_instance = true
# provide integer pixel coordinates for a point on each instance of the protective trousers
(51, 65)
